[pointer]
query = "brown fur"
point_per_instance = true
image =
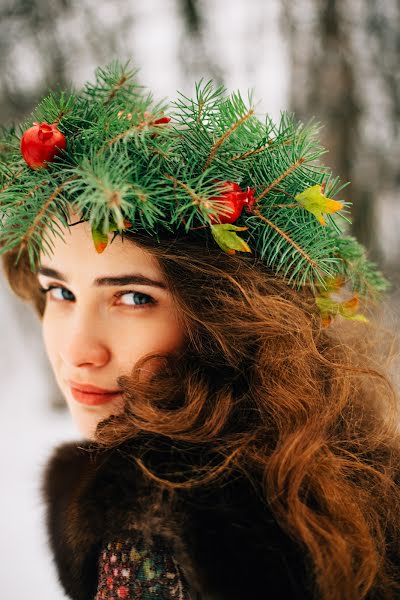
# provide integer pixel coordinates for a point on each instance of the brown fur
(224, 537)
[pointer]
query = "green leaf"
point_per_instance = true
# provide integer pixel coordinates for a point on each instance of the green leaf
(228, 240)
(100, 239)
(314, 200)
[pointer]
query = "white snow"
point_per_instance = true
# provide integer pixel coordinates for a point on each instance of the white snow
(29, 429)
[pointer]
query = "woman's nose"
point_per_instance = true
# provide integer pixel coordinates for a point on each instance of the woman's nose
(83, 345)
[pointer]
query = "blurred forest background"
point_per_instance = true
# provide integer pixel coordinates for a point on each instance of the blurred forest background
(335, 60)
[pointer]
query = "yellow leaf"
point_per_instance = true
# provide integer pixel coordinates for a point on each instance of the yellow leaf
(347, 309)
(327, 306)
(314, 200)
(226, 238)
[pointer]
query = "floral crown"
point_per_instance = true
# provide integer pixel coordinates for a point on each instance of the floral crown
(124, 162)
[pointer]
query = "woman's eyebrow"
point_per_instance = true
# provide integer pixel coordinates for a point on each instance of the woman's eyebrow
(134, 278)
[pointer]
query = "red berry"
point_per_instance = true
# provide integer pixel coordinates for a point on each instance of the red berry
(41, 143)
(235, 199)
(162, 120)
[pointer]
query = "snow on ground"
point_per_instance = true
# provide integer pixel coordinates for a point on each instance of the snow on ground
(27, 568)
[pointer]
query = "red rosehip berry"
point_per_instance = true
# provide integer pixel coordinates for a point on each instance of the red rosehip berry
(234, 198)
(162, 120)
(159, 121)
(41, 143)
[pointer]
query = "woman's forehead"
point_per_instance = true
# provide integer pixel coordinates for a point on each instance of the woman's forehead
(74, 251)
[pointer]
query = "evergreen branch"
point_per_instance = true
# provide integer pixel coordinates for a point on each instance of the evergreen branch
(202, 97)
(290, 241)
(31, 192)
(294, 205)
(115, 81)
(195, 197)
(285, 192)
(250, 152)
(12, 181)
(118, 137)
(161, 153)
(42, 212)
(200, 110)
(207, 104)
(182, 218)
(147, 121)
(139, 193)
(279, 179)
(116, 87)
(61, 115)
(271, 144)
(285, 205)
(222, 139)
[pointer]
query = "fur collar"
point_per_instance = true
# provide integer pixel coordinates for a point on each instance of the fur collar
(225, 539)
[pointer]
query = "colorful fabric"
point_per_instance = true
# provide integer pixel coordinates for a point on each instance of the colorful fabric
(129, 569)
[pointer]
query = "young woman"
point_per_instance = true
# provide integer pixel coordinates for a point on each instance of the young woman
(240, 432)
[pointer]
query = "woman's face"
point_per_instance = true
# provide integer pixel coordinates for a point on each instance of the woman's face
(105, 311)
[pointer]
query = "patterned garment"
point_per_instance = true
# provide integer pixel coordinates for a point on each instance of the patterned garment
(128, 569)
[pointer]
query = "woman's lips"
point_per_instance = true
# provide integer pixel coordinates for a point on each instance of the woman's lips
(93, 398)
(87, 387)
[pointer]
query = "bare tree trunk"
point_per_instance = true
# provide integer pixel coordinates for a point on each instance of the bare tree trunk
(344, 62)
(194, 55)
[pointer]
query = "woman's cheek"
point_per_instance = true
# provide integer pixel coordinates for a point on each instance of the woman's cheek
(52, 331)
(133, 340)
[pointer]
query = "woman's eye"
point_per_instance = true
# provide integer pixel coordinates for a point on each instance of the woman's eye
(135, 298)
(57, 292)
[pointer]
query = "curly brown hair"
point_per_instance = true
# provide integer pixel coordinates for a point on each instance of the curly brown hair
(310, 412)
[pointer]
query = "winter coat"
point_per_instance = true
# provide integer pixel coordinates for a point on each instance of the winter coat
(115, 533)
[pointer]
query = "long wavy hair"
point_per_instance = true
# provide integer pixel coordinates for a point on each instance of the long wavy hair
(311, 412)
